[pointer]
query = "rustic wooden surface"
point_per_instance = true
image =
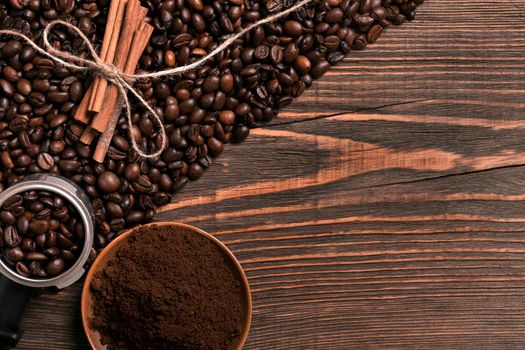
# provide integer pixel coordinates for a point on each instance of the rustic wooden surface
(385, 209)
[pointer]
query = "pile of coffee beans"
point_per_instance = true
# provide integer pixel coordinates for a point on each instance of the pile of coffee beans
(41, 233)
(242, 87)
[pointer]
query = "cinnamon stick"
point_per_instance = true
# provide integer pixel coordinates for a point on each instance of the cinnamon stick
(99, 91)
(126, 48)
(81, 112)
(88, 135)
(140, 42)
(133, 17)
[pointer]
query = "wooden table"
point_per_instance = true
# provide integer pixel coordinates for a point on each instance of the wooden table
(385, 209)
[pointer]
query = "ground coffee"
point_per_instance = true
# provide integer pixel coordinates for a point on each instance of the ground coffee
(167, 289)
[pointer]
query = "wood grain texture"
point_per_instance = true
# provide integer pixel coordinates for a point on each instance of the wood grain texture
(384, 209)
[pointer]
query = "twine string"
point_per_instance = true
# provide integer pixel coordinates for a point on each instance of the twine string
(122, 80)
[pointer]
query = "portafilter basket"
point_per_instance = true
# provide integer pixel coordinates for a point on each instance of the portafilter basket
(15, 289)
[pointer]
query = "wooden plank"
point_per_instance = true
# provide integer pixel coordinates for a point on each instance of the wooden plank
(390, 215)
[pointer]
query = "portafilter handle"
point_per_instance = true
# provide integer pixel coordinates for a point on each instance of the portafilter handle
(13, 300)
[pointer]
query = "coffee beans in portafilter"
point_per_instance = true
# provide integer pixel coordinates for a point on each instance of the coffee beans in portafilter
(41, 233)
(243, 86)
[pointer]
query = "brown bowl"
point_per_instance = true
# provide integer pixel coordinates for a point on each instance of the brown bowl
(108, 253)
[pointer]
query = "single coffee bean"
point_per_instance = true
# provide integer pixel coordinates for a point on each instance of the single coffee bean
(41, 240)
(55, 266)
(45, 213)
(22, 224)
(215, 146)
(374, 33)
(293, 28)
(319, 69)
(11, 74)
(143, 184)
(262, 52)
(28, 245)
(108, 182)
(276, 54)
(15, 254)
(302, 64)
(291, 51)
(7, 217)
(24, 87)
(36, 256)
(63, 241)
(52, 252)
(6, 87)
(11, 48)
(11, 237)
(38, 226)
(36, 269)
(45, 161)
(334, 15)
(22, 269)
(13, 201)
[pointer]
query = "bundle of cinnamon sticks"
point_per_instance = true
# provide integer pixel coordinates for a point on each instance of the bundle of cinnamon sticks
(125, 39)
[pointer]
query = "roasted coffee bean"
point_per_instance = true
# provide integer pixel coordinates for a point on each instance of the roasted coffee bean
(22, 224)
(67, 255)
(45, 161)
(76, 91)
(51, 239)
(108, 182)
(215, 146)
(143, 184)
(24, 87)
(240, 133)
(335, 57)
(36, 206)
(11, 74)
(319, 69)
(36, 269)
(291, 51)
(114, 210)
(55, 266)
(36, 256)
(374, 33)
(53, 251)
(36, 99)
(28, 245)
(38, 226)
(195, 171)
(11, 237)
(45, 214)
(22, 269)
(13, 201)
(276, 54)
(262, 52)
(11, 48)
(15, 254)
(293, 28)
(7, 217)
(302, 64)
(40, 240)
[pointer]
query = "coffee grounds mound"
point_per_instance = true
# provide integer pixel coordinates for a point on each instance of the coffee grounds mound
(167, 288)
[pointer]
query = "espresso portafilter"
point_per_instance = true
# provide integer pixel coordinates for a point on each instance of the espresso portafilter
(15, 289)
